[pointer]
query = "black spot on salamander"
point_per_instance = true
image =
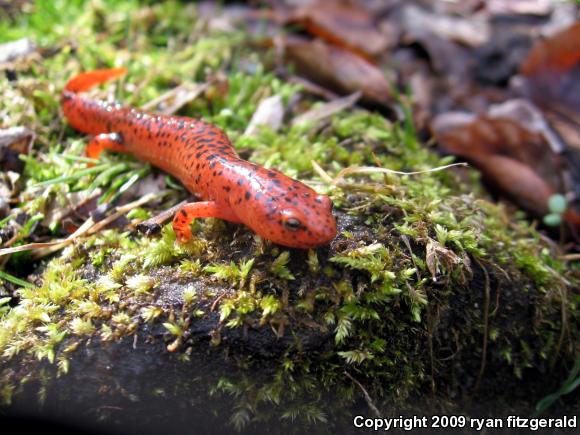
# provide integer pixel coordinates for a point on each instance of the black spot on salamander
(212, 165)
(227, 188)
(240, 182)
(272, 174)
(318, 201)
(248, 195)
(183, 213)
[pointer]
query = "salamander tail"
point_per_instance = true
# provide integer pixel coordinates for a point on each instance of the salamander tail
(87, 80)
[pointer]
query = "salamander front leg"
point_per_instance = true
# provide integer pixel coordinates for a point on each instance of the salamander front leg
(109, 141)
(203, 209)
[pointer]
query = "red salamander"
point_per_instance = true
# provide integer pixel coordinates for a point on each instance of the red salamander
(201, 156)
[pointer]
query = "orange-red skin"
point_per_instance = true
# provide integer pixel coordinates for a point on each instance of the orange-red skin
(201, 156)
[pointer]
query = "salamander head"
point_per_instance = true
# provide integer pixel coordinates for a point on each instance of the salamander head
(306, 225)
(289, 213)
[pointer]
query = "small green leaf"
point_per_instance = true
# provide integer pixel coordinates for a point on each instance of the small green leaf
(557, 203)
(552, 219)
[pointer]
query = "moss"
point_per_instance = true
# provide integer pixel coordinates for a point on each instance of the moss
(412, 250)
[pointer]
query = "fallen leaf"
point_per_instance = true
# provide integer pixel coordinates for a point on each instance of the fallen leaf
(15, 50)
(343, 24)
(170, 102)
(516, 181)
(472, 31)
(338, 69)
(515, 160)
(437, 255)
(556, 54)
(13, 142)
(551, 75)
(519, 7)
(270, 113)
(327, 110)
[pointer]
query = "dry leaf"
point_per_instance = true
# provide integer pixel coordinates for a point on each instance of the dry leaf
(338, 69)
(343, 24)
(515, 180)
(472, 31)
(13, 142)
(15, 50)
(436, 255)
(328, 109)
(516, 161)
(270, 112)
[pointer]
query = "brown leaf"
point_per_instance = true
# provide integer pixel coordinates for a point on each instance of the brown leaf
(327, 110)
(437, 255)
(343, 24)
(552, 73)
(559, 53)
(552, 78)
(516, 161)
(338, 69)
(487, 135)
(516, 180)
(13, 142)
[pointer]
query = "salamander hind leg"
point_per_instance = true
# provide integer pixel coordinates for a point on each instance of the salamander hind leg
(203, 209)
(101, 142)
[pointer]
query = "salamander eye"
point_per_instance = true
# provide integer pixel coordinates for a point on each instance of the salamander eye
(292, 224)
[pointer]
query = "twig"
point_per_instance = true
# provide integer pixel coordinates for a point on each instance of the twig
(87, 228)
(563, 298)
(355, 170)
(214, 304)
(485, 328)
(153, 225)
(366, 395)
